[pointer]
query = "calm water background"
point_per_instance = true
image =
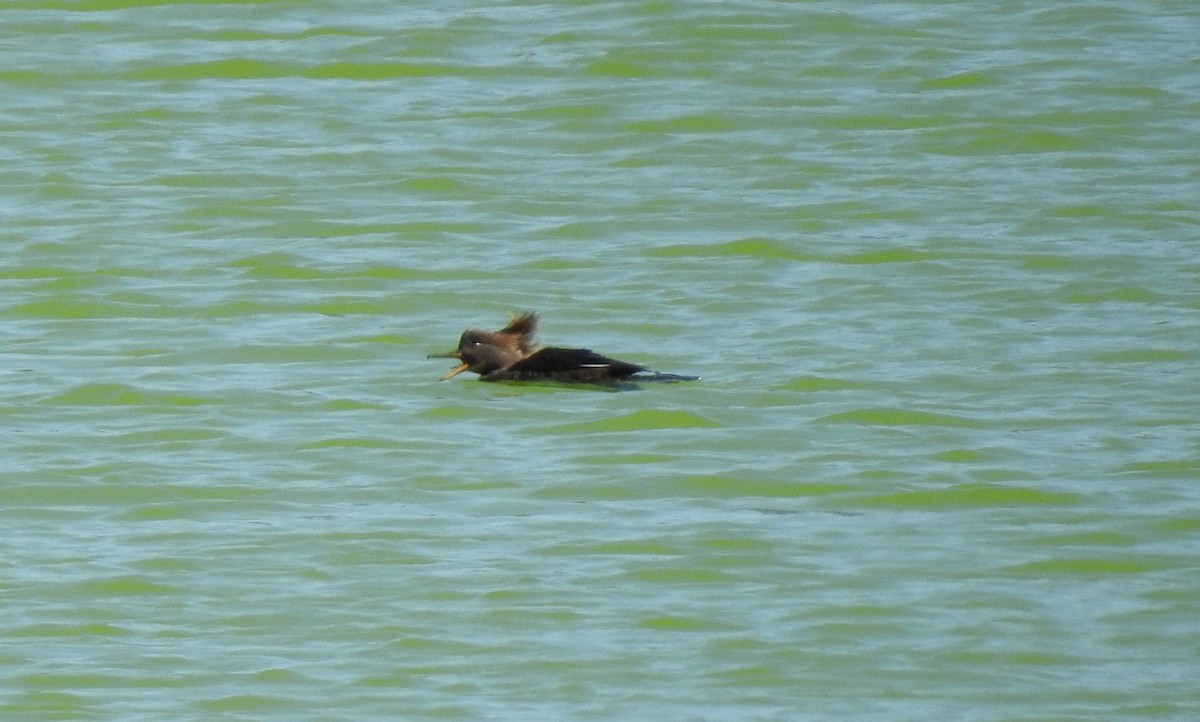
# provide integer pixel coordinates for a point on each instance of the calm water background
(936, 262)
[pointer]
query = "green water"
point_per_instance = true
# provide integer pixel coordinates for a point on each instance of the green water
(936, 264)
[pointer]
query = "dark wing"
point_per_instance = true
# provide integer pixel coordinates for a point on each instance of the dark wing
(566, 365)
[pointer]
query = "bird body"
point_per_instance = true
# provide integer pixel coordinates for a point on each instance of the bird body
(511, 354)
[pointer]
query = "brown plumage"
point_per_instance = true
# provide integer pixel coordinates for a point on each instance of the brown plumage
(511, 354)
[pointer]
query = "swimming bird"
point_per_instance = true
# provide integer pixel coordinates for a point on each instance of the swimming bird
(511, 354)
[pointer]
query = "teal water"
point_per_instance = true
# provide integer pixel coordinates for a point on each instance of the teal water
(936, 264)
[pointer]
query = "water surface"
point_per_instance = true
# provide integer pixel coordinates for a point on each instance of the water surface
(935, 264)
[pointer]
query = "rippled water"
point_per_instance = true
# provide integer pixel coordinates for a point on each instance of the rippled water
(936, 264)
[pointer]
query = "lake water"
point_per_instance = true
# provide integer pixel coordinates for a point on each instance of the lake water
(937, 264)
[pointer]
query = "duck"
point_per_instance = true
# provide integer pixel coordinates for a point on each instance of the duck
(512, 354)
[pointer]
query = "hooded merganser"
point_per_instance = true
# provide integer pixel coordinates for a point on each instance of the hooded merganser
(510, 354)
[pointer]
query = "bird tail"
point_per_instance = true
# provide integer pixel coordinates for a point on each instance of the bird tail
(664, 378)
